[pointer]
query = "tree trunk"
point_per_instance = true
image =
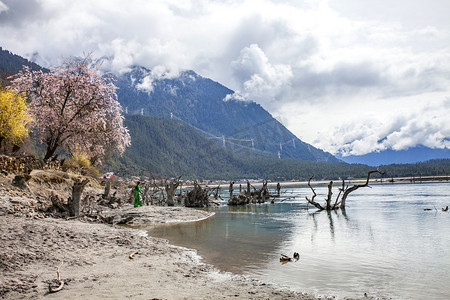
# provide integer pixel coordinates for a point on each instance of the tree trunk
(107, 189)
(75, 202)
(170, 188)
(330, 193)
(231, 189)
(357, 186)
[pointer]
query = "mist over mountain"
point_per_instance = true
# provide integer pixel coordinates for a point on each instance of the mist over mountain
(203, 104)
(235, 137)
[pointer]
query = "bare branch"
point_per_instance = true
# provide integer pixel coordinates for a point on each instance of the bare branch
(357, 186)
(314, 195)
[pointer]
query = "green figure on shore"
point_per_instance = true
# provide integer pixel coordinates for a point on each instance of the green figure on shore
(137, 194)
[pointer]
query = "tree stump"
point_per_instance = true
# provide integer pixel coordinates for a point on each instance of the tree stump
(75, 203)
(170, 188)
(241, 199)
(21, 180)
(107, 189)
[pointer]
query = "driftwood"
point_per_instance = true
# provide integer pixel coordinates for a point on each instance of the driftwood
(197, 197)
(132, 254)
(255, 196)
(61, 283)
(345, 191)
(240, 199)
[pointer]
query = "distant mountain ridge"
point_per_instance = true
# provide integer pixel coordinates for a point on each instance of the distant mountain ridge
(409, 156)
(200, 102)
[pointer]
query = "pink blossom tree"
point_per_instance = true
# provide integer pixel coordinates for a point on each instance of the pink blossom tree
(74, 108)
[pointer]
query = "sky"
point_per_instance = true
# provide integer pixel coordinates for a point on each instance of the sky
(347, 76)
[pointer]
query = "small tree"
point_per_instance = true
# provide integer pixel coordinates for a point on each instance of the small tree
(14, 116)
(74, 107)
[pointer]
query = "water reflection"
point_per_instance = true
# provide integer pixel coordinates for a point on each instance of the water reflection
(231, 239)
(384, 243)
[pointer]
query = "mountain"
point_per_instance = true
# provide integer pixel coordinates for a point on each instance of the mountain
(199, 101)
(164, 141)
(11, 64)
(169, 147)
(409, 156)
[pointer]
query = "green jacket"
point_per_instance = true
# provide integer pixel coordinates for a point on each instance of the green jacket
(137, 191)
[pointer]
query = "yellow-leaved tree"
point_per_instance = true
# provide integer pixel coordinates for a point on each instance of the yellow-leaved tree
(14, 117)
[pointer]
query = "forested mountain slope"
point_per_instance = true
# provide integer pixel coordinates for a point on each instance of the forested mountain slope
(173, 148)
(201, 103)
(11, 64)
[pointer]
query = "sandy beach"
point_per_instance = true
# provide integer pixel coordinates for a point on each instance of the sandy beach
(94, 261)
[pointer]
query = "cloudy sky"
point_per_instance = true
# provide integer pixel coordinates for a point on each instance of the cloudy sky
(347, 76)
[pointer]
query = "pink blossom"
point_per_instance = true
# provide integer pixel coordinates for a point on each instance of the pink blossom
(74, 108)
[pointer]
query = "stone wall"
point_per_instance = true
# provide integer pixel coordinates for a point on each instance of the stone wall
(20, 165)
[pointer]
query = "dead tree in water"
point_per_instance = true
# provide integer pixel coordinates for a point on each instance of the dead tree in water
(247, 197)
(197, 197)
(231, 189)
(345, 191)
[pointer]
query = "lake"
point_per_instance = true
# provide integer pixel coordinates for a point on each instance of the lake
(385, 243)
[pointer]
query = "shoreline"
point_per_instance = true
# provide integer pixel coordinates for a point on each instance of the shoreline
(96, 264)
(412, 179)
(106, 261)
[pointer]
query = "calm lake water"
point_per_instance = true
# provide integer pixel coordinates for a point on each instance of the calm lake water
(384, 244)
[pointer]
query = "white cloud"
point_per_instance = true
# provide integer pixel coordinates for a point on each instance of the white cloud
(348, 76)
(389, 125)
(260, 80)
(3, 7)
